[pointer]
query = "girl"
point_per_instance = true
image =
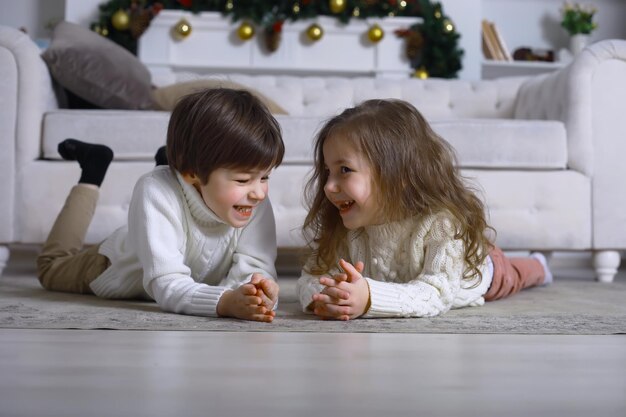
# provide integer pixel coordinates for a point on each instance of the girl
(394, 230)
(201, 237)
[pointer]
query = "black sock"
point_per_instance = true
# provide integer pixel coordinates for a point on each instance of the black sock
(93, 159)
(161, 156)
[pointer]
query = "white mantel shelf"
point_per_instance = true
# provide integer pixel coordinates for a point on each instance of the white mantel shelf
(495, 69)
(213, 46)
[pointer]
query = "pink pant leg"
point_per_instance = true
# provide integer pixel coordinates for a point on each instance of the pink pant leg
(511, 275)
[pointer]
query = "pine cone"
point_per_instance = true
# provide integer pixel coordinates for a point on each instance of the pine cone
(414, 44)
(272, 39)
(139, 22)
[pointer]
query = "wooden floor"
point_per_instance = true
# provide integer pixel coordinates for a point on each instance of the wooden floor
(141, 373)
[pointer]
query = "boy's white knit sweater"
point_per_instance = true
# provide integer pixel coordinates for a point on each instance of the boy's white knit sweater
(414, 268)
(176, 251)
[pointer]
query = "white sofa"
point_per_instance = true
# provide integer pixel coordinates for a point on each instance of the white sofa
(547, 151)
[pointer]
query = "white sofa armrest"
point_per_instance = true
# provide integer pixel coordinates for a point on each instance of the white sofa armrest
(568, 95)
(25, 94)
(588, 96)
(25, 72)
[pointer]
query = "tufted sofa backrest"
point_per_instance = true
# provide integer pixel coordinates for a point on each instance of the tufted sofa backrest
(437, 99)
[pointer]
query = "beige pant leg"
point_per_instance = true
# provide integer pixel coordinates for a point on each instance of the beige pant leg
(63, 265)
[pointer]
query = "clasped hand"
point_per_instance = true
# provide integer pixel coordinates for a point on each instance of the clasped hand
(345, 296)
(254, 300)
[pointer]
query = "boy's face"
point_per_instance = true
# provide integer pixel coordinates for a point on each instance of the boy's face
(232, 194)
(350, 186)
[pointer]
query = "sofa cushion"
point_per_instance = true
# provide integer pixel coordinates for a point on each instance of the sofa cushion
(97, 69)
(529, 209)
(133, 135)
(480, 143)
(536, 210)
(506, 144)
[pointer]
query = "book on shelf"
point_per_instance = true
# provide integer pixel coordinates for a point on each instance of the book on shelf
(489, 48)
(494, 47)
(502, 45)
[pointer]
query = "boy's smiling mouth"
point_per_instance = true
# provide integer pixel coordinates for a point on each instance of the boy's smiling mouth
(245, 211)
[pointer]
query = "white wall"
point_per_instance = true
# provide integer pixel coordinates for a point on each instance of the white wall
(36, 16)
(466, 16)
(82, 12)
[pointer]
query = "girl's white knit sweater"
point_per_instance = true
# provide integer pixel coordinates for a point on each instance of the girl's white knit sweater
(176, 251)
(414, 268)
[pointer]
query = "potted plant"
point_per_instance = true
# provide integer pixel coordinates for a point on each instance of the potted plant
(577, 20)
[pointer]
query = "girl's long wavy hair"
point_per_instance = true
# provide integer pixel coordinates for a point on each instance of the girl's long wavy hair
(414, 173)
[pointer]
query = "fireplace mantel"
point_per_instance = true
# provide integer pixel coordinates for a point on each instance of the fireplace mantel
(214, 46)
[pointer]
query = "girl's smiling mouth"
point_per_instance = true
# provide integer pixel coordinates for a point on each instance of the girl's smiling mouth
(344, 206)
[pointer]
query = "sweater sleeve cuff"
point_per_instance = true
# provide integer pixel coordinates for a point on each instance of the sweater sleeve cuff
(308, 288)
(385, 300)
(204, 300)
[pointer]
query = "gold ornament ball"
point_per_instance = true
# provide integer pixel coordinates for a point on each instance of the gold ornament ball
(120, 20)
(337, 6)
(448, 26)
(315, 32)
(375, 34)
(421, 73)
(245, 31)
(101, 30)
(182, 28)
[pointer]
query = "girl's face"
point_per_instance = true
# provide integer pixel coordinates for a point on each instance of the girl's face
(232, 194)
(350, 186)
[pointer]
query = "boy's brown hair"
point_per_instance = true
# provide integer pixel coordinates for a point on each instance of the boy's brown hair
(222, 128)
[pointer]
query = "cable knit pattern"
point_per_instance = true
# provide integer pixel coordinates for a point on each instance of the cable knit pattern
(414, 268)
(176, 251)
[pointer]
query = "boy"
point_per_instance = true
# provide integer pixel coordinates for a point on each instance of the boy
(201, 236)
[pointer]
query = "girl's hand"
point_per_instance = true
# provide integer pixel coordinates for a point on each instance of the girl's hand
(346, 295)
(352, 273)
(337, 295)
(243, 303)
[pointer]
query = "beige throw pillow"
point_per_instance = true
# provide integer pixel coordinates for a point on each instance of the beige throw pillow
(167, 97)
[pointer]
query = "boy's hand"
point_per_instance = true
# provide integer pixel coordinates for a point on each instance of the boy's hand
(346, 295)
(267, 289)
(244, 303)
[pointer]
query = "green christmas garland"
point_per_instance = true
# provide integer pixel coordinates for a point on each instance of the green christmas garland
(432, 45)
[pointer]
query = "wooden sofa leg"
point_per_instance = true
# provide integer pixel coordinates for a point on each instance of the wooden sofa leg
(605, 263)
(4, 258)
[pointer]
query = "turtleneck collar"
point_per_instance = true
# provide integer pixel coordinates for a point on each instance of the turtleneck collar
(199, 210)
